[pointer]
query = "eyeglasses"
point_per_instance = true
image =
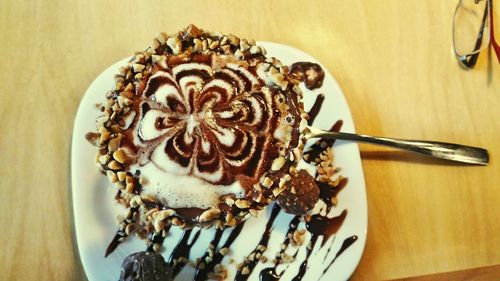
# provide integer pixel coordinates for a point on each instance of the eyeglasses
(473, 30)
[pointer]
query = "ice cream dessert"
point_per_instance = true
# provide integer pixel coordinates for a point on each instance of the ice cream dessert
(200, 129)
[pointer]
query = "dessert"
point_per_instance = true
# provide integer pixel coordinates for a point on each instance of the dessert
(201, 129)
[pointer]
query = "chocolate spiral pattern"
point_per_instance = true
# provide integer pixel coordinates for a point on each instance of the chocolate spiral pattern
(215, 125)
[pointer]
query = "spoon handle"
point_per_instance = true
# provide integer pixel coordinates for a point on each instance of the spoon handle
(442, 150)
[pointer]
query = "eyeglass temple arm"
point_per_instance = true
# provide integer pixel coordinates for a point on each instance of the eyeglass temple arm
(471, 59)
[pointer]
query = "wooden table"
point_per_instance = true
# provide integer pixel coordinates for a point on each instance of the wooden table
(393, 60)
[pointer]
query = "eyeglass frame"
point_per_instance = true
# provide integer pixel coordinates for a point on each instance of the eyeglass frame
(470, 60)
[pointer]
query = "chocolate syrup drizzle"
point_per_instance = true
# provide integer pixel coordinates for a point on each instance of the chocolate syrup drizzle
(121, 235)
(269, 273)
(314, 111)
(201, 273)
(345, 245)
(157, 238)
(250, 264)
(182, 249)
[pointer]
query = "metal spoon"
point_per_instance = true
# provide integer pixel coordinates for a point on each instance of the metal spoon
(442, 150)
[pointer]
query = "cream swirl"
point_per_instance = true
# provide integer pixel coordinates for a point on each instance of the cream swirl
(217, 125)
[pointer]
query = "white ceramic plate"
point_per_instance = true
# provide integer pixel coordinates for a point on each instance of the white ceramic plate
(95, 210)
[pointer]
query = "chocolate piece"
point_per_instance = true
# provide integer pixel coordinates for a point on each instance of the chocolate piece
(300, 194)
(145, 266)
(308, 72)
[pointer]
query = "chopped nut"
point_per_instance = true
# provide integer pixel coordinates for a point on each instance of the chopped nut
(261, 248)
(242, 204)
(245, 271)
(159, 225)
(226, 49)
(254, 213)
(204, 45)
(175, 44)
(155, 44)
(224, 251)
(254, 50)
(104, 136)
(224, 41)
(244, 45)
(162, 37)
(143, 181)
(121, 175)
(214, 45)
(114, 143)
(193, 30)
(209, 215)
(138, 67)
(299, 237)
(277, 191)
(239, 54)
(197, 45)
(230, 220)
(267, 182)
(233, 40)
(163, 214)
(156, 58)
(130, 187)
(177, 222)
(151, 211)
(103, 159)
(120, 156)
(278, 163)
(229, 201)
(111, 176)
(297, 153)
(119, 185)
(129, 228)
(114, 165)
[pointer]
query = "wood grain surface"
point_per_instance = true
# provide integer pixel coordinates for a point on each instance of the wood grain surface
(393, 60)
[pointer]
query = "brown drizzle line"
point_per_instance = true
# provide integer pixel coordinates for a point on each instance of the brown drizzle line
(250, 264)
(121, 235)
(346, 244)
(269, 273)
(157, 238)
(182, 250)
(201, 273)
(313, 112)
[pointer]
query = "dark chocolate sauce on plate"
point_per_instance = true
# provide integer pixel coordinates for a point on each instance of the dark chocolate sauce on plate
(345, 245)
(201, 273)
(308, 72)
(180, 254)
(250, 264)
(314, 111)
